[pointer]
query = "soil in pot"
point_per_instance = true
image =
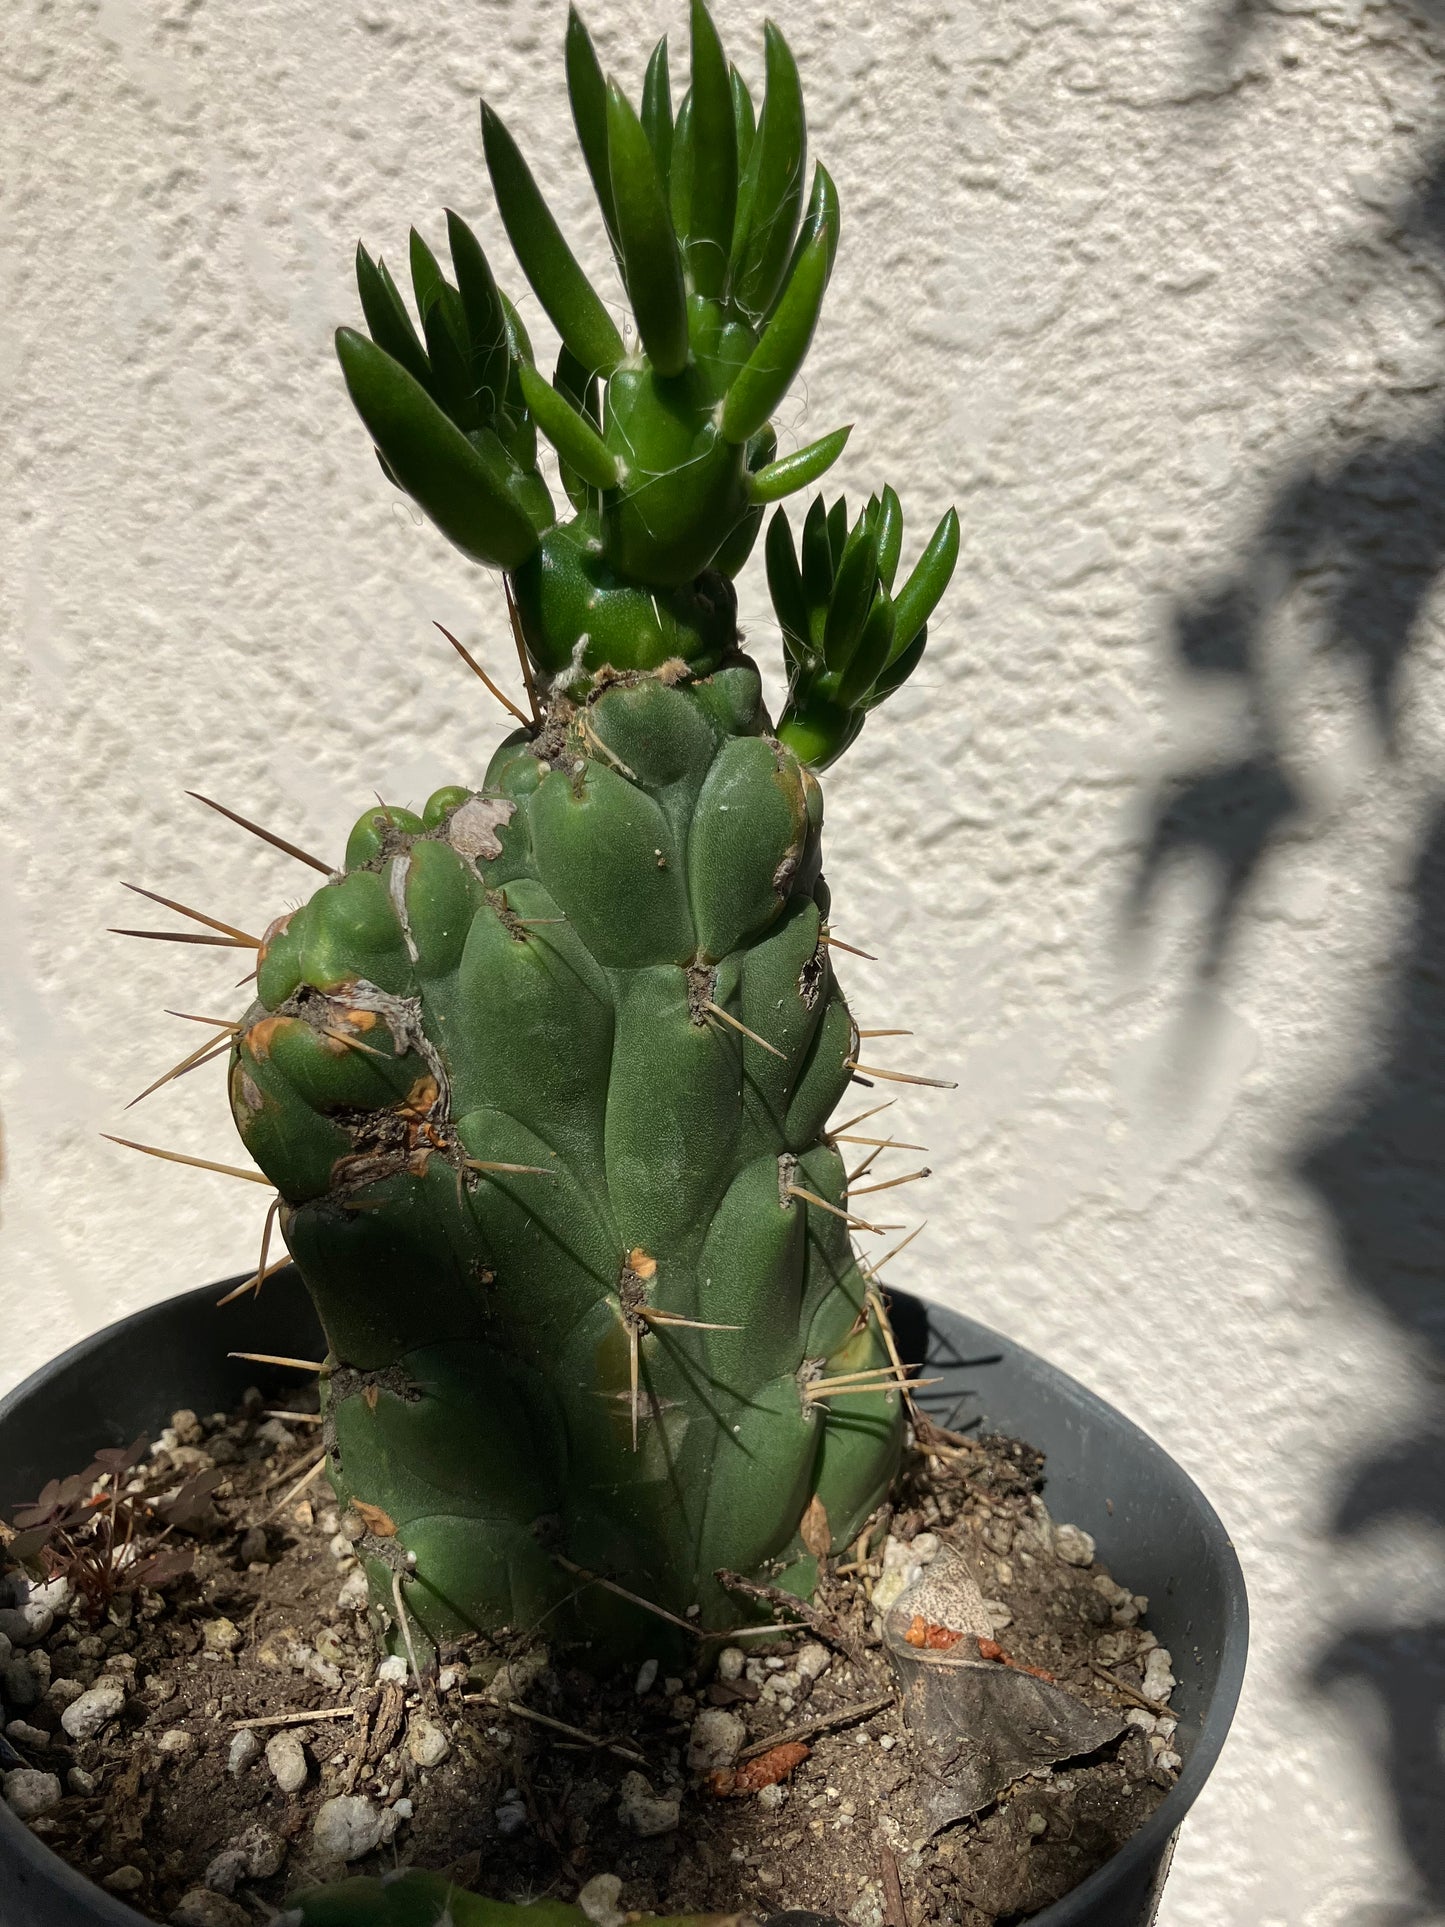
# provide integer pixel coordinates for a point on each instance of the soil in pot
(205, 1744)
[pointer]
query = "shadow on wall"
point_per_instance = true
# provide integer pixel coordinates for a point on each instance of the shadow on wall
(1378, 1166)
(1365, 532)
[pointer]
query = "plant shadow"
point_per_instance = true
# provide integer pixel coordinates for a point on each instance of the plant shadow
(1359, 537)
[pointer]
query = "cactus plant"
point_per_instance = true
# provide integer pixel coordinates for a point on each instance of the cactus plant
(416, 1899)
(543, 1073)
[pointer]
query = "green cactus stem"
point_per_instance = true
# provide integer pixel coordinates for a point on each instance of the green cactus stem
(543, 1074)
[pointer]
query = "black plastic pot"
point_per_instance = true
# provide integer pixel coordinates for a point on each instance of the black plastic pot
(1154, 1528)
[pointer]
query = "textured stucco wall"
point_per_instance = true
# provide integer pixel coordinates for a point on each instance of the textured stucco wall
(1152, 852)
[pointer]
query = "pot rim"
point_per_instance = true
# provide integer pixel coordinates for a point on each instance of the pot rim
(1150, 1842)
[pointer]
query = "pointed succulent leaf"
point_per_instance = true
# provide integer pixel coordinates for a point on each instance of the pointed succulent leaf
(743, 120)
(853, 589)
(768, 372)
(451, 382)
(797, 470)
(657, 110)
(679, 173)
(917, 599)
(871, 655)
(785, 580)
(774, 183)
(587, 91)
(713, 147)
(426, 274)
(890, 535)
(572, 303)
(838, 532)
(387, 320)
(570, 433)
(432, 459)
(822, 214)
(817, 563)
(486, 321)
(386, 468)
(651, 262)
(899, 670)
(572, 381)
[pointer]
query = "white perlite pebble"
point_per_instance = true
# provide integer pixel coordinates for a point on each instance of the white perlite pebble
(55, 1595)
(646, 1680)
(220, 1637)
(201, 1908)
(286, 1758)
(125, 1880)
(598, 1900)
(96, 1708)
(812, 1660)
(79, 1781)
(28, 1794)
(6, 1649)
(64, 1692)
(174, 1742)
(22, 1734)
(23, 1625)
(245, 1751)
(516, 1678)
(391, 1672)
(730, 1663)
(1159, 1679)
(347, 1826)
(255, 1855)
(645, 1812)
(354, 1593)
(715, 1741)
(1073, 1545)
(426, 1742)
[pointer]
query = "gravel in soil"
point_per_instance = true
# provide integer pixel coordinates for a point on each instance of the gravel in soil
(205, 1749)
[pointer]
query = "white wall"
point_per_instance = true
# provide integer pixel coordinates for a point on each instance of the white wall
(1119, 280)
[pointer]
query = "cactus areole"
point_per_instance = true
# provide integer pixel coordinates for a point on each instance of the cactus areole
(543, 1075)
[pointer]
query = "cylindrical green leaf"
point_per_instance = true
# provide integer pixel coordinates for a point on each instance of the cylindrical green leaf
(587, 91)
(796, 471)
(573, 437)
(432, 459)
(572, 303)
(823, 213)
(389, 323)
(426, 274)
(785, 579)
(838, 531)
(657, 110)
(451, 384)
(853, 588)
(773, 183)
(714, 152)
(743, 120)
(817, 565)
(486, 320)
(890, 535)
(898, 671)
(872, 652)
(651, 263)
(572, 381)
(917, 599)
(768, 372)
(679, 175)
